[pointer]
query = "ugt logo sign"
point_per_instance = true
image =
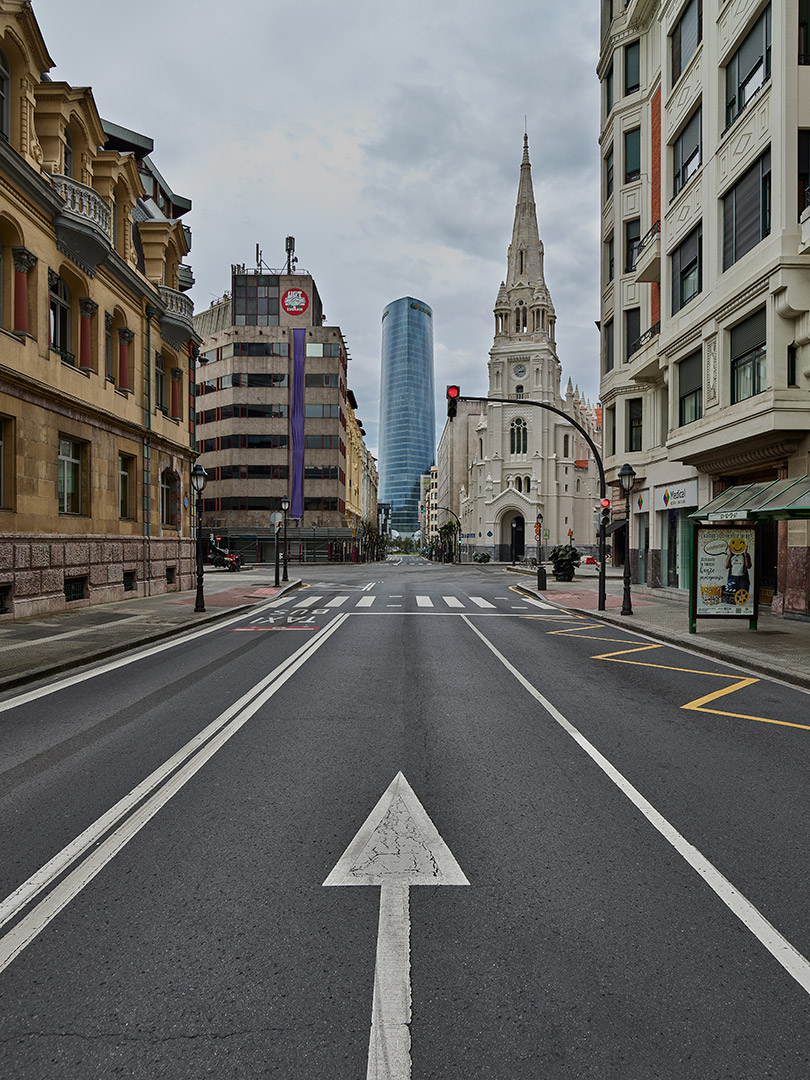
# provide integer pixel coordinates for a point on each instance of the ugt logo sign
(295, 301)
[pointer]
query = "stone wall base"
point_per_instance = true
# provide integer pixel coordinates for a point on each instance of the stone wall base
(43, 574)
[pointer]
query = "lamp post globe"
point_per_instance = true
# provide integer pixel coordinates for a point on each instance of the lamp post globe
(627, 477)
(199, 478)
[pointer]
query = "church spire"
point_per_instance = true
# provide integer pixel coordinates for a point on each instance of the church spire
(525, 256)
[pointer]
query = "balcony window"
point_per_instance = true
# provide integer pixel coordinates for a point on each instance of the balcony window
(632, 331)
(631, 67)
(690, 388)
(687, 269)
(747, 211)
(748, 357)
(632, 235)
(609, 174)
(635, 413)
(632, 155)
(749, 67)
(686, 37)
(686, 152)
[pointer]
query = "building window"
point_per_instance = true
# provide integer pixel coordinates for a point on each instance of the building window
(255, 299)
(5, 90)
(686, 37)
(169, 498)
(634, 425)
(609, 346)
(518, 437)
(747, 211)
(126, 485)
(749, 67)
(632, 331)
(71, 476)
(748, 357)
(686, 152)
(804, 164)
(610, 430)
(60, 317)
(804, 32)
(609, 90)
(687, 270)
(160, 382)
(6, 462)
(632, 154)
(690, 388)
(632, 235)
(109, 369)
(610, 258)
(631, 67)
(609, 173)
(68, 154)
(565, 445)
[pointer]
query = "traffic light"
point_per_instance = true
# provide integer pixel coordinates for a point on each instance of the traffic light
(453, 393)
(604, 512)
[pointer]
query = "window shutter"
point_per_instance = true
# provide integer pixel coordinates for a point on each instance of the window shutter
(632, 152)
(690, 373)
(748, 335)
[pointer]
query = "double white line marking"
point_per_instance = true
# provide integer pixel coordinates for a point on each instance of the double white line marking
(101, 841)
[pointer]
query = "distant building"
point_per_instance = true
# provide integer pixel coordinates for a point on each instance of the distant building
(705, 309)
(274, 417)
(95, 340)
(502, 464)
(407, 438)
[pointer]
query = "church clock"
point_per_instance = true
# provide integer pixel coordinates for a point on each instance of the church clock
(519, 370)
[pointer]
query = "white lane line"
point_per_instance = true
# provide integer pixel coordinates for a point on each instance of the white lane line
(794, 963)
(519, 607)
(128, 816)
(481, 602)
(424, 601)
(336, 601)
(308, 601)
(452, 601)
(393, 605)
(366, 601)
(133, 658)
(540, 604)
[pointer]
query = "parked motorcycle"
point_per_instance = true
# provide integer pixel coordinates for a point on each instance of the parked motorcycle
(223, 559)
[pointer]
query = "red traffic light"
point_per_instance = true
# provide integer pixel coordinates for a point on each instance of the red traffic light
(453, 391)
(605, 503)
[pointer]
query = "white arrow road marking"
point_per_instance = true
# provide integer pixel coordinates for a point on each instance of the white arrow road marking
(396, 847)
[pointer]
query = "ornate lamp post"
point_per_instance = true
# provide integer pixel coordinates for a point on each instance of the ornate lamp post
(285, 506)
(514, 535)
(627, 476)
(199, 478)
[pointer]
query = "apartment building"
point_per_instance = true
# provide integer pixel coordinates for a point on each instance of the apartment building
(705, 305)
(95, 341)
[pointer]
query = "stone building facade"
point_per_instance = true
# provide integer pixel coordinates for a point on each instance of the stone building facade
(96, 340)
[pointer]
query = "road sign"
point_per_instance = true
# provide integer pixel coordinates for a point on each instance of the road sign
(397, 846)
(546, 533)
(536, 531)
(276, 518)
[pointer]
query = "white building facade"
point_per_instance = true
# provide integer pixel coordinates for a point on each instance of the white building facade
(515, 461)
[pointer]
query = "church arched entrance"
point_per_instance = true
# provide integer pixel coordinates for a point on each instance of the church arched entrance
(513, 538)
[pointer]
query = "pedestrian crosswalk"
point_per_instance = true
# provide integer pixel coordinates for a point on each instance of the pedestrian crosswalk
(421, 602)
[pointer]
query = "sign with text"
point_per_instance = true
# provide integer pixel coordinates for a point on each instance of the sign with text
(724, 576)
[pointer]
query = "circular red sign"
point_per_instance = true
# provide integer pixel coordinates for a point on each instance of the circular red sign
(295, 301)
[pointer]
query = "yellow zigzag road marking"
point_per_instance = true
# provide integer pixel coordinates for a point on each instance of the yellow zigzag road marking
(698, 704)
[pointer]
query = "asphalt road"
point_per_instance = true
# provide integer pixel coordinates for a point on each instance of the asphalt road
(629, 817)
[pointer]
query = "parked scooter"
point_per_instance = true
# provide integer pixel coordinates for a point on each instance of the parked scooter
(223, 559)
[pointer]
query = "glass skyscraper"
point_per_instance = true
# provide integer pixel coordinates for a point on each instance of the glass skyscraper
(407, 412)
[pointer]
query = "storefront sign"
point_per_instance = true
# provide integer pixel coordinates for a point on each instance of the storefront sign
(676, 496)
(724, 580)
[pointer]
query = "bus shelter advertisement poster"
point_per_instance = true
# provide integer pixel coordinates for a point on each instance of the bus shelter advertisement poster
(725, 571)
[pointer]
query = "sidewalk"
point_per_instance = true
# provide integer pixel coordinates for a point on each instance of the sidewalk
(32, 649)
(779, 647)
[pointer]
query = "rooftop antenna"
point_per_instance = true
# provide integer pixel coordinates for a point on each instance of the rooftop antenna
(289, 247)
(258, 258)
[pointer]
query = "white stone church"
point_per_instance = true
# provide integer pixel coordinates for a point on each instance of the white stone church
(500, 465)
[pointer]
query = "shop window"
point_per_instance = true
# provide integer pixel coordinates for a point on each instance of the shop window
(748, 357)
(747, 211)
(749, 68)
(687, 269)
(686, 37)
(690, 388)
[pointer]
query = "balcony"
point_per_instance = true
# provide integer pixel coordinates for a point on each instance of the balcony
(648, 256)
(644, 361)
(176, 323)
(83, 224)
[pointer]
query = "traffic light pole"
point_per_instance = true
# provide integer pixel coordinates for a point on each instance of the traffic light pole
(456, 397)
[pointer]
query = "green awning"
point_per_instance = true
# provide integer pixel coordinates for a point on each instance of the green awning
(769, 500)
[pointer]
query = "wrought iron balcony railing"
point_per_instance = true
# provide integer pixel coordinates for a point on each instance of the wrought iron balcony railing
(645, 338)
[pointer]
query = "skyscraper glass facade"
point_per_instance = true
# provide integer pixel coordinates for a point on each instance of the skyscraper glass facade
(407, 412)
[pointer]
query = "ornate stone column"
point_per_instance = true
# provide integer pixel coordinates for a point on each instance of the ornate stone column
(125, 339)
(24, 260)
(177, 375)
(87, 309)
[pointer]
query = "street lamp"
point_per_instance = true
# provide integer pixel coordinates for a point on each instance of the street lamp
(285, 506)
(627, 476)
(514, 535)
(541, 573)
(199, 478)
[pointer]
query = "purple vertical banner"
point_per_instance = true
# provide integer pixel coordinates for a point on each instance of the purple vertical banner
(297, 425)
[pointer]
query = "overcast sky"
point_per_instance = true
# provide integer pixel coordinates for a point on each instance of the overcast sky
(387, 138)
